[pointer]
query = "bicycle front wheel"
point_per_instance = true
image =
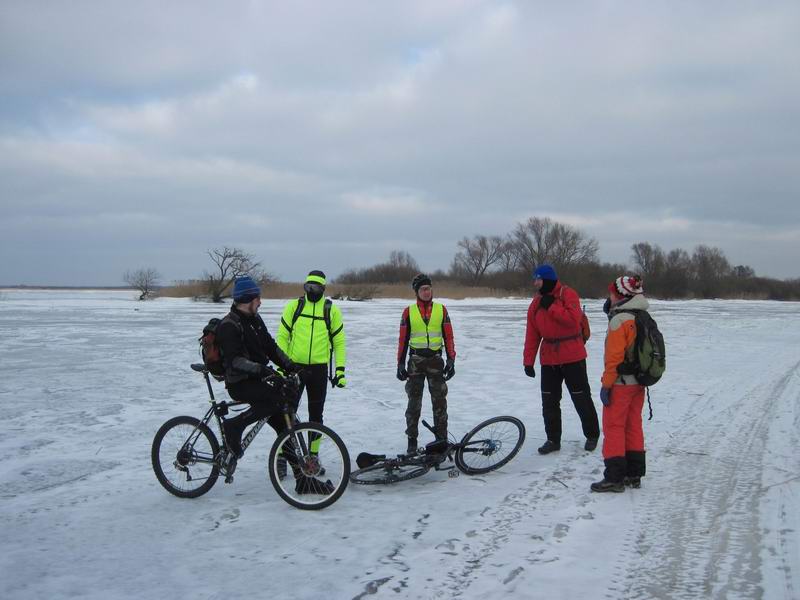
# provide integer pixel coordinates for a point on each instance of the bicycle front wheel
(318, 466)
(385, 472)
(183, 455)
(490, 445)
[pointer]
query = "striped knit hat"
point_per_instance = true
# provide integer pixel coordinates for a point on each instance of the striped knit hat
(627, 285)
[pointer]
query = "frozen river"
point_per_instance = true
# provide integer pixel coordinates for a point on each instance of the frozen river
(89, 376)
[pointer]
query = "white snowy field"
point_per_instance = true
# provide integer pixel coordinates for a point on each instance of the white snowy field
(88, 377)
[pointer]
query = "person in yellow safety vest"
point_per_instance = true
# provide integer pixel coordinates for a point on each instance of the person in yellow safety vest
(425, 329)
(311, 331)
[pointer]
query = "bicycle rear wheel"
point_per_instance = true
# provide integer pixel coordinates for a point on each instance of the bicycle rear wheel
(387, 471)
(316, 479)
(490, 445)
(183, 455)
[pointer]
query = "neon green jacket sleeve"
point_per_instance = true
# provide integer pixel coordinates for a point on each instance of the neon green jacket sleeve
(339, 338)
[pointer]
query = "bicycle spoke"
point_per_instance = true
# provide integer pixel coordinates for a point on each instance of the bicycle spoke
(183, 457)
(313, 479)
(490, 445)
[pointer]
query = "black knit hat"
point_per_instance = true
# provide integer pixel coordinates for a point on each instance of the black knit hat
(419, 281)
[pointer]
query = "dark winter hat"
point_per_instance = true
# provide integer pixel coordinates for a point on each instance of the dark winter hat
(420, 280)
(627, 286)
(245, 290)
(545, 272)
(316, 277)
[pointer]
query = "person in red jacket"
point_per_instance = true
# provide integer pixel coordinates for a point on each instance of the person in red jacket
(554, 324)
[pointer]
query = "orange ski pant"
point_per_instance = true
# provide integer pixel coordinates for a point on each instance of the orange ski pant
(622, 421)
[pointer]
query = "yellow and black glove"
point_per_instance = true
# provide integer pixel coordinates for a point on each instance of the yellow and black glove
(339, 379)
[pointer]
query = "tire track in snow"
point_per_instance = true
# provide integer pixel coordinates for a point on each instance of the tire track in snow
(477, 554)
(709, 544)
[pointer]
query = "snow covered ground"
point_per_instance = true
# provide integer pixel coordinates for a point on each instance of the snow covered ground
(88, 377)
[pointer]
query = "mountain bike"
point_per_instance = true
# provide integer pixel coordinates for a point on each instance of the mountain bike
(489, 446)
(187, 458)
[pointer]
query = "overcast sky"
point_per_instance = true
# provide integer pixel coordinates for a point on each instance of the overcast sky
(326, 134)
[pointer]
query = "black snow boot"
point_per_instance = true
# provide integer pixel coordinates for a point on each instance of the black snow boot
(311, 485)
(549, 446)
(633, 482)
(412, 446)
(608, 486)
(590, 445)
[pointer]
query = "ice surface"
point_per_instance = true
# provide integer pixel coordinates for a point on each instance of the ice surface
(88, 377)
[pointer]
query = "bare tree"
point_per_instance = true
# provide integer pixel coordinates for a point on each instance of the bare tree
(401, 266)
(509, 258)
(678, 273)
(402, 260)
(477, 255)
(743, 272)
(710, 268)
(230, 263)
(144, 280)
(542, 240)
(648, 260)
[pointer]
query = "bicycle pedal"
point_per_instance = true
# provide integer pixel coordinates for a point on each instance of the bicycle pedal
(229, 479)
(454, 472)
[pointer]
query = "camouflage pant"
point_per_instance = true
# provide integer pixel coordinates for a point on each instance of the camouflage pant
(421, 368)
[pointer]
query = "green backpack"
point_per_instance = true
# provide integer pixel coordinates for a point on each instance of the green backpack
(649, 354)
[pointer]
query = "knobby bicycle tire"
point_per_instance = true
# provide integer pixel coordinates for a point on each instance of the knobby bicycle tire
(491, 444)
(381, 474)
(331, 462)
(170, 450)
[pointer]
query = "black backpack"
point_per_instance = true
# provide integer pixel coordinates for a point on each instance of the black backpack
(326, 313)
(649, 353)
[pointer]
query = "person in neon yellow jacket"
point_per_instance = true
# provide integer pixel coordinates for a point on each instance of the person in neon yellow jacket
(311, 332)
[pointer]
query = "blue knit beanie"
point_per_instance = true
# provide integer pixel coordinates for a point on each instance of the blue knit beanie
(545, 272)
(245, 290)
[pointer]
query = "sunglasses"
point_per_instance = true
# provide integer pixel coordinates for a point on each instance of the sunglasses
(313, 288)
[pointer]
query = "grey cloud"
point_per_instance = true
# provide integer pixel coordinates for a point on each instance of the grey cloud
(352, 129)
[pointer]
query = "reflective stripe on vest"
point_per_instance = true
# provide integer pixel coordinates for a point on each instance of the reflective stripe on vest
(426, 335)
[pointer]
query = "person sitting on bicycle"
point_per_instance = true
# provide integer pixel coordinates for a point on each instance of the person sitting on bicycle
(247, 347)
(425, 330)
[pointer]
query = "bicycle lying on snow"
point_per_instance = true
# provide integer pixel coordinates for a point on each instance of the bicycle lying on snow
(489, 446)
(188, 460)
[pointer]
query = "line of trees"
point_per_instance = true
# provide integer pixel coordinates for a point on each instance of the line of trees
(506, 263)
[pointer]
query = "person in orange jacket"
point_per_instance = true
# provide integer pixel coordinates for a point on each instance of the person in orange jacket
(555, 323)
(621, 395)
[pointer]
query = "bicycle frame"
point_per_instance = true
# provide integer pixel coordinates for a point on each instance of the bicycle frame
(434, 457)
(220, 409)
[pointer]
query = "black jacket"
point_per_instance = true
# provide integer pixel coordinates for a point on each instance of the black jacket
(246, 346)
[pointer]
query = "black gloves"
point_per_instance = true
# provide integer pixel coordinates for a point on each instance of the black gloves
(529, 371)
(266, 371)
(338, 379)
(291, 367)
(546, 301)
(449, 369)
(607, 305)
(402, 374)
